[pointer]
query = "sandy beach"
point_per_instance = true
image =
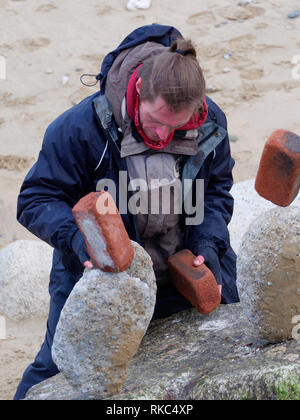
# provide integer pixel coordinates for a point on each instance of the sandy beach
(248, 54)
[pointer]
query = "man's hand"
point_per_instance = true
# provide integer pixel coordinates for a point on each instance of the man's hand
(200, 260)
(80, 249)
(88, 265)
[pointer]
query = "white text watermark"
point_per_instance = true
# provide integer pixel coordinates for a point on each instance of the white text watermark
(157, 196)
(2, 328)
(2, 67)
(296, 69)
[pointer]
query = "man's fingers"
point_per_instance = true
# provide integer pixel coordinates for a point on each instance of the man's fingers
(199, 260)
(88, 265)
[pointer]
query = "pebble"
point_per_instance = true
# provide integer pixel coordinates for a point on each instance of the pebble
(244, 2)
(233, 138)
(49, 71)
(212, 89)
(224, 22)
(294, 14)
(226, 69)
(138, 4)
(65, 80)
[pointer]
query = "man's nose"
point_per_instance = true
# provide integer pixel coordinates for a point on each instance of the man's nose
(163, 132)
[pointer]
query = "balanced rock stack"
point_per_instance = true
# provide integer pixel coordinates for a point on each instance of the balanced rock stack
(107, 313)
(268, 264)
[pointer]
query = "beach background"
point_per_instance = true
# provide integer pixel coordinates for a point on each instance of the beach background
(248, 50)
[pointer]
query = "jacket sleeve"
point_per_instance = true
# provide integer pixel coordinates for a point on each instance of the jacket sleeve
(218, 202)
(62, 175)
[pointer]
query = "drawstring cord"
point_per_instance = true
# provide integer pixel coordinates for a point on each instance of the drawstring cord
(97, 77)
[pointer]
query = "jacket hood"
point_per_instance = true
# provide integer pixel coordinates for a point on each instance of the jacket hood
(161, 34)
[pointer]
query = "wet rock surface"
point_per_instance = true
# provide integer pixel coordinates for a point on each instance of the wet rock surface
(195, 356)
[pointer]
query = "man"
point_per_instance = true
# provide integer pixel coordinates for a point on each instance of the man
(151, 120)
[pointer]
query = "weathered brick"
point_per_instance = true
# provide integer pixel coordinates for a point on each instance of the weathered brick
(278, 176)
(197, 284)
(106, 238)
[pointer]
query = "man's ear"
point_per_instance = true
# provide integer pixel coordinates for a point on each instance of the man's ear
(138, 85)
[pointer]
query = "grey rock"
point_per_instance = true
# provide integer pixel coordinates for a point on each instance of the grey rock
(248, 205)
(227, 56)
(226, 70)
(101, 326)
(220, 24)
(24, 278)
(233, 138)
(212, 89)
(54, 388)
(269, 273)
(142, 267)
(244, 2)
(194, 356)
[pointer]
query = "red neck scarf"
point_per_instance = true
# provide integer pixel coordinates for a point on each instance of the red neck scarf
(133, 102)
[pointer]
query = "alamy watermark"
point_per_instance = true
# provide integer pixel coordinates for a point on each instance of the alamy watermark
(296, 69)
(2, 328)
(155, 196)
(2, 67)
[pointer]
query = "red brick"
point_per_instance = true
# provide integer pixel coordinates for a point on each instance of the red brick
(197, 284)
(278, 176)
(105, 235)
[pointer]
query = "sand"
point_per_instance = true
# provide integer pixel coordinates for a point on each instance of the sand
(246, 53)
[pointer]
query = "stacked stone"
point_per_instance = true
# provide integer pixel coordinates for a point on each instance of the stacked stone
(269, 257)
(107, 313)
(268, 270)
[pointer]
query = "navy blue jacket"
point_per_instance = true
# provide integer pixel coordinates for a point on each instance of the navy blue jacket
(75, 154)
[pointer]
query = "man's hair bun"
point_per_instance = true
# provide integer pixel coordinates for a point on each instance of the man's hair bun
(183, 47)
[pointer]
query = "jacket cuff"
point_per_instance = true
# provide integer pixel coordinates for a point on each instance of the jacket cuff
(204, 243)
(79, 246)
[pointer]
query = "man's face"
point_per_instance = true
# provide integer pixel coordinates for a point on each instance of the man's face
(158, 121)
